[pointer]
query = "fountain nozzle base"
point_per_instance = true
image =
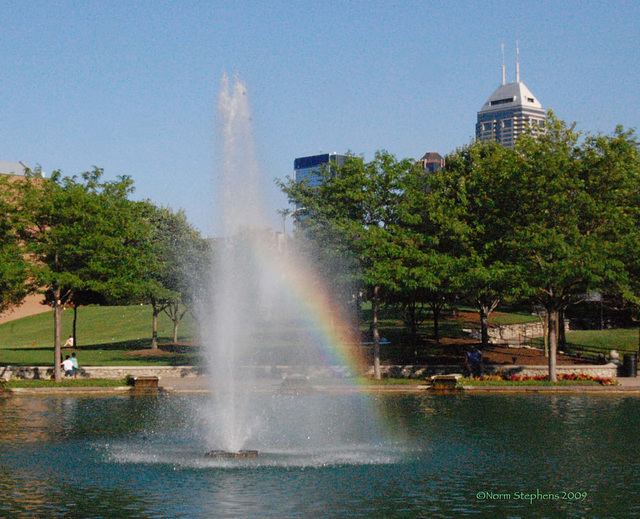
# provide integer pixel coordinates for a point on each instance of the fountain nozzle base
(226, 455)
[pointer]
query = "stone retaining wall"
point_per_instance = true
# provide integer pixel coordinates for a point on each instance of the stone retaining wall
(110, 372)
(522, 331)
(407, 371)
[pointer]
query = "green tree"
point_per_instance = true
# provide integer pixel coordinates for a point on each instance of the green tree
(551, 220)
(13, 266)
(472, 199)
(80, 234)
(369, 211)
(180, 265)
(577, 208)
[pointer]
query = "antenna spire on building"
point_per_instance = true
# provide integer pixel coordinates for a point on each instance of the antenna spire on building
(510, 111)
(517, 62)
(504, 77)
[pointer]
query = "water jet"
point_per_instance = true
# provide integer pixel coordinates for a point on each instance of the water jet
(270, 312)
(295, 385)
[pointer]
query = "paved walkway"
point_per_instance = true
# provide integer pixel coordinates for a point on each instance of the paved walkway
(185, 383)
(630, 382)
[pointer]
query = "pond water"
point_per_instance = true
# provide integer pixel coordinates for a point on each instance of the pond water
(432, 456)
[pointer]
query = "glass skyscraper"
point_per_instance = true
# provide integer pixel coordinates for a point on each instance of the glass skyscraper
(309, 167)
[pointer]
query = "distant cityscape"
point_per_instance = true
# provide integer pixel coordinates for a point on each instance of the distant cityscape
(507, 113)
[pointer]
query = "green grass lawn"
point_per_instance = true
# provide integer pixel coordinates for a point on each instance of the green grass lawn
(500, 318)
(622, 339)
(105, 335)
(596, 343)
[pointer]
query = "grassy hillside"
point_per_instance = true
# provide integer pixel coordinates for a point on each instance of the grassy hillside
(105, 335)
(121, 335)
(596, 342)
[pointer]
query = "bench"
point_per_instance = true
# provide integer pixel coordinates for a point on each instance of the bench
(445, 382)
(146, 382)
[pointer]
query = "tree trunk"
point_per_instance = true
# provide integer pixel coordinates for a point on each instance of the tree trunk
(414, 330)
(411, 320)
(57, 330)
(377, 373)
(562, 337)
(545, 328)
(485, 311)
(484, 325)
(75, 322)
(154, 332)
(358, 305)
(553, 342)
(435, 309)
(176, 320)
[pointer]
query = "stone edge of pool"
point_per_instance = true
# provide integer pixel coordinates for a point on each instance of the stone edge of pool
(623, 388)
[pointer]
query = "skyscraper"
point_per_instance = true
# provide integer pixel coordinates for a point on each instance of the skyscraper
(308, 167)
(509, 111)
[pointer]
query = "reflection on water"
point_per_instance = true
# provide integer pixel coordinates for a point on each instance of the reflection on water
(142, 457)
(33, 496)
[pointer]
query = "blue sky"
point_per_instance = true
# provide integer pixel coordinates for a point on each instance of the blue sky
(131, 86)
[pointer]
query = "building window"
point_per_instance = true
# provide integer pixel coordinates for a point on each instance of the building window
(502, 101)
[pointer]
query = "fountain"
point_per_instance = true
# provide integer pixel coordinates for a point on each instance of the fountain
(277, 443)
(271, 322)
(240, 455)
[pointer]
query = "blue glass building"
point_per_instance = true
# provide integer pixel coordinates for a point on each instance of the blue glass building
(309, 167)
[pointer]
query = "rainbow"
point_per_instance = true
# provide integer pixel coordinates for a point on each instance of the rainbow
(332, 331)
(336, 336)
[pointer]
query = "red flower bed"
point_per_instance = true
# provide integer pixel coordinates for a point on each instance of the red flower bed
(578, 377)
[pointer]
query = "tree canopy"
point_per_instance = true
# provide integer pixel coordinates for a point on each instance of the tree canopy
(369, 211)
(548, 222)
(80, 234)
(179, 266)
(13, 265)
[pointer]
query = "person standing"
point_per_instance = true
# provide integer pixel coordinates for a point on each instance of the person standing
(74, 361)
(473, 362)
